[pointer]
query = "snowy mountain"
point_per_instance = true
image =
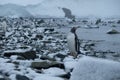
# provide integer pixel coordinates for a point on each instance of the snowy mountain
(52, 8)
(55, 8)
(12, 10)
(79, 8)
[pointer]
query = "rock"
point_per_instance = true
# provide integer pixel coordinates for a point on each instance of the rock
(21, 77)
(49, 29)
(20, 58)
(118, 21)
(47, 58)
(38, 36)
(113, 31)
(66, 76)
(61, 56)
(46, 65)
(25, 53)
(98, 21)
(1, 78)
(41, 21)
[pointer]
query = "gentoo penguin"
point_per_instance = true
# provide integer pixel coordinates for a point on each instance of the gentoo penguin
(73, 42)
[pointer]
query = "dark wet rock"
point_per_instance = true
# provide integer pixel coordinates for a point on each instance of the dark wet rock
(21, 77)
(41, 21)
(113, 25)
(98, 21)
(24, 54)
(20, 58)
(47, 58)
(84, 21)
(118, 21)
(38, 36)
(116, 55)
(61, 56)
(113, 31)
(110, 22)
(46, 65)
(51, 29)
(2, 79)
(66, 76)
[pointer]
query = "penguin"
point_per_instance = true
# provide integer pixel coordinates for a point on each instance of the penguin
(73, 42)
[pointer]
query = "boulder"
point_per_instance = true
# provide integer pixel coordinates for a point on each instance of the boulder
(47, 58)
(61, 56)
(38, 36)
(65, 76)
(113, 31)
(21, 77)
(46, 65)
(1, 77)
(25, 53)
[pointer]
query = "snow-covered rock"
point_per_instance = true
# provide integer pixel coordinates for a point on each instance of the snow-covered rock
(26, 52)
(69, 63)
(89, 68)
(113, 31)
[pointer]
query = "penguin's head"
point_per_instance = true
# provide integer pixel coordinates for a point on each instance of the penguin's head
(73, 29)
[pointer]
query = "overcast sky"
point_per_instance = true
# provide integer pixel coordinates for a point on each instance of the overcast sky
(21, 2)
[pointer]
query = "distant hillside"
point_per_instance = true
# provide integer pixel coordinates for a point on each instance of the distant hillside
(64, 8)
(12, 10)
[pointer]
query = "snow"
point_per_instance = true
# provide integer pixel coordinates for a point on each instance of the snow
(89, 68)
(13, 57)
(36, 76)
(46, 77)
(6, 67)
(1, 76)
(69, 63)
(54, 71)
(12, 76)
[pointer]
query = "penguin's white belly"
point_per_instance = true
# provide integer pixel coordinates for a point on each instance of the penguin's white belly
(71, 42)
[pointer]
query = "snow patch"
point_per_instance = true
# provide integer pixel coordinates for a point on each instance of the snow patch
(54, 71)
(89, 68)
